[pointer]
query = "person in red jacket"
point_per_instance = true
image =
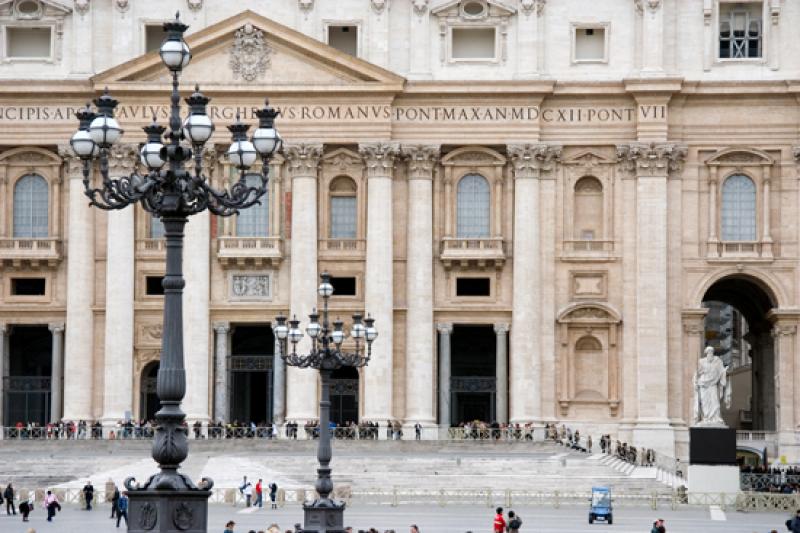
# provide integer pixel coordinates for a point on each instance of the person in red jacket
(259, 494)
(499, 521)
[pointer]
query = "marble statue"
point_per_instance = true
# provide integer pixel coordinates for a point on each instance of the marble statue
(711, 388)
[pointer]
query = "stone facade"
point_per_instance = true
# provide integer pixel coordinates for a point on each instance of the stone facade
(605, 226)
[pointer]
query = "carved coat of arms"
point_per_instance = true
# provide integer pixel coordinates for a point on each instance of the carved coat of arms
(249, 54)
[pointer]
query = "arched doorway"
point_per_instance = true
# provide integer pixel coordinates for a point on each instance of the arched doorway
(250, 373)
(344, 396)
(148, 399)
(27, 384)
(738, 329)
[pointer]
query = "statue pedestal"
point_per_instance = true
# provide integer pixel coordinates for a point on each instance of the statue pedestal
(712, 462)
(168, 511)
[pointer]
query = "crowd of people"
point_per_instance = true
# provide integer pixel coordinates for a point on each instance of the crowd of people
(481, 430)
(770, 479)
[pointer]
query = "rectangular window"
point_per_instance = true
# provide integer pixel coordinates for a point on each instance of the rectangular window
(473, 287)
(28, 43)
(343, 217)
(590, 45)
(28, 286)
(156, 228)
(344, 39)
(154, 286)
(153, 37)
(473, 43)
(740, 30)
(344, 286)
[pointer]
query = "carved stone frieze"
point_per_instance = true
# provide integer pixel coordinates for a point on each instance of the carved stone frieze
(250, 286)
(343, 160)
(421, 159)
(150, 333)
(249, 53)
(532, 160)
(379, 158)
(302, 159)
(652, 159)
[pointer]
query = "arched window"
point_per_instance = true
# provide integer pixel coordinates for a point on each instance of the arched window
(343, 209)
(588, 209)
(156, 227)
(31, 207)
(738, 209)
(254, 221)
(473, 207)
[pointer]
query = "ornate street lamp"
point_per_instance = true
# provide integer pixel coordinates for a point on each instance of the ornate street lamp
(325, 515)
(169, 501)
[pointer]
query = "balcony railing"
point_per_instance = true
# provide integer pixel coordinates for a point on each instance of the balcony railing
(239, 251)
(342, 245)
(740, 250)
(485, 252)
(589, 246)
(151, 248)
(33, 252)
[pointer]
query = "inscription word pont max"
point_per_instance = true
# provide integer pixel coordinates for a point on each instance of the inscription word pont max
(294, 113)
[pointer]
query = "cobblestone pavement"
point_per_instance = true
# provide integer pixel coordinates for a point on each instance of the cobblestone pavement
(430, 519)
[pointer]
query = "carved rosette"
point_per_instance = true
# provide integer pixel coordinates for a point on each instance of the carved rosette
(652, 159)
(249, 53)
(421, 159)
(533, 160)
(302, 159)
(379, 158)
(122, 159)
(73, 165)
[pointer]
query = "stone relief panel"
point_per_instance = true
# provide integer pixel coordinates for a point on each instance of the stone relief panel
(250, 286)
(249, 54)
(149, 335)
(590, 284)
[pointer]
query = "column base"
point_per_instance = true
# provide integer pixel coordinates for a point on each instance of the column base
(323, 516)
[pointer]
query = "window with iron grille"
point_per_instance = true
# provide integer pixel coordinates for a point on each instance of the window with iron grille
(254, 221)
(740, 30)
(473, 209)
(31, 207)
(738, 209)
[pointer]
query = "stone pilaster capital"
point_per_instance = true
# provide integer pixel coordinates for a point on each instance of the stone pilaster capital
(378, 6)
(302, 159)
(651, 5)
(652, 159)
(529, 6)
(784, 330)
(533, 160)
(693, 327)
(122, 160)
(420, 6)
(444, 327)
(209, 161)
(56, 328)
(379, 158)
(73, 165)
(501, 328)
(421, 160)
(222, 328)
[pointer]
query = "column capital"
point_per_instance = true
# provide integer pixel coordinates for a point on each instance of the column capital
(421, 159)
(533, 160)
(444, 327)
(379, 158)
(652, 5)
(501, 328)
(122, 160)
(302, 159)
(56, 328)
(222, 327)
(209, 161)
(652, 159)
(73, 165)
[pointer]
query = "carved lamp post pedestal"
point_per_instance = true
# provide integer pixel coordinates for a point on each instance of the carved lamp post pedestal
(324, 514)
(169, 501)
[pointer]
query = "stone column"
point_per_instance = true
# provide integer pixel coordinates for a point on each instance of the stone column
(221, 330)
(529, 41)
(420, 382)
(3, 371)
(420, 35)
(278, 386)
(766, 207)
(120, 276)
(79, 334)
(445, 330)
(652, 163)
(57, 372)
(529, 162)
(379, 282)
(302, 162)
(501, 365)
(82, 26)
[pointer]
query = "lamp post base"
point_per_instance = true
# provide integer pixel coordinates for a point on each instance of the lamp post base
(323, 516)
(168, 511)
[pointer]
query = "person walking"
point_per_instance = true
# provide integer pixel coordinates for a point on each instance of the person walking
(88, 494)
(8, 494)
(248, 493)
(25, 508)
(122, 508)
(114, 502)
(417, 431)
(273, 493)
(514, 522)
(793, 524)
(658, 526)
(259, 495)
(229, 526)
(499, 521)
(52, 505)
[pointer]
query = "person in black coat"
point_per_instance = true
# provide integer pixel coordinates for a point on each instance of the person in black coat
(88, 494)
(8, 494)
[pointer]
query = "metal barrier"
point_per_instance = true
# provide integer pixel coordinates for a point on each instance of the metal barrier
(508, 434)
(766, 482)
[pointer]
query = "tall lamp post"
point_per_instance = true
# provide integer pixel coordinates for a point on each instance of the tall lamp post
(325, 515)
(169, 501)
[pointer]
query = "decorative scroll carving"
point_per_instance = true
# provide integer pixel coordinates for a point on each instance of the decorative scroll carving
(652, 5)
(653, 159)
(249, 53)
(501, 328)
(306, 5)
(529, 6)
(303, 159)
(532, 160)
(379, 158)
(122, 5)
(420, 6)
(82, 6)
(420, 158)
(195, 5)
(379, 5)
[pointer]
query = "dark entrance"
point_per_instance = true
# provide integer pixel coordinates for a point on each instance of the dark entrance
(250, 374)
(738, 329)
(344, 396)
(148, 399)
(472, 374)
(27, 385)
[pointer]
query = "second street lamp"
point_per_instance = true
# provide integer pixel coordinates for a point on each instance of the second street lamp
(324, 514)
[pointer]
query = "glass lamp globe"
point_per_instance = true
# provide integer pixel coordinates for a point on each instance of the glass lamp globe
(82, 144)
(198, 128)
(325, 289)
(313, 329)
(338, 336)
(105, 130)
(150, 155)
(266, 141)
(242, 154)
(281, 331)
(175, 54)
(357, 331)
(295, 335)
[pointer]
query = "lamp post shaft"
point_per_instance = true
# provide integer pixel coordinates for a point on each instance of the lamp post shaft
(324, 484)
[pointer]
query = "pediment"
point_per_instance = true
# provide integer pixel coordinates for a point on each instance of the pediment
(588, 157)
(473, 156)
(589, 312)
(493, 9)
(251, 50)
(740, 156)
(47, 8)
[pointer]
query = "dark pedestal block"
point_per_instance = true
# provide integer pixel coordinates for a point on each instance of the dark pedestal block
(712, 446)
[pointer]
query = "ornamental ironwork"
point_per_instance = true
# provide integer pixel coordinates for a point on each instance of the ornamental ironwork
(473, 384)
(250, 363)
